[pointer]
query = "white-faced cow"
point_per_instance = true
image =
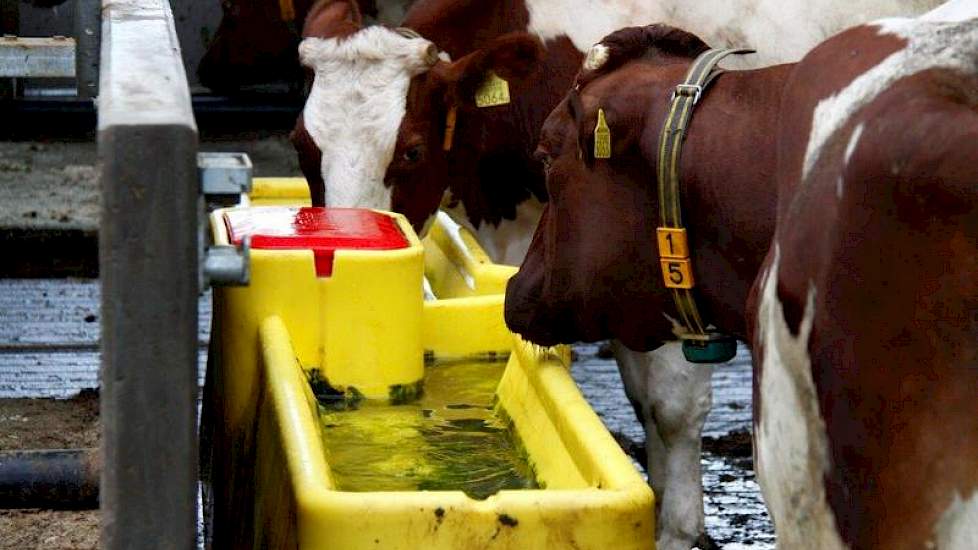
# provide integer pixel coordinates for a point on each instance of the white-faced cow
(832, 215)
(392, 123)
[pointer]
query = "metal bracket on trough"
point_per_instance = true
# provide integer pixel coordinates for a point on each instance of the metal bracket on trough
(228, 265)
(224, 176)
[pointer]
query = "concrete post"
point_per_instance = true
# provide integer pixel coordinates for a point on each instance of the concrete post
(149, 270)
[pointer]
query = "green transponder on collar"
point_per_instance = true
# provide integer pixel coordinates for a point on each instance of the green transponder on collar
(718, 349)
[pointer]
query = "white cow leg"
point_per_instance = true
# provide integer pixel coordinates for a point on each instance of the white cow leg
(634, 367)
(675, 397)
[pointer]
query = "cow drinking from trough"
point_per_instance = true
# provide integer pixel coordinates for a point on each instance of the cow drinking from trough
(859, 162)
(378, 131)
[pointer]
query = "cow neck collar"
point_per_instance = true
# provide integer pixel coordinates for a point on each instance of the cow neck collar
(699, 340)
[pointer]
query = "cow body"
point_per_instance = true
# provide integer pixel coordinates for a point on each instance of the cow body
(866, 339)
(847, 183)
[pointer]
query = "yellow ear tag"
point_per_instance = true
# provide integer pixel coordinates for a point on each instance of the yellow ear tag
(602, 138)
(494, 91)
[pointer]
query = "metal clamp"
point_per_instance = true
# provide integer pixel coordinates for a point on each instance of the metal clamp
(224, 176)
(228, 265)
(688, 90)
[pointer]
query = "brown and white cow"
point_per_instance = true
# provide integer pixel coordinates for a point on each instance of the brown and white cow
(833, 218)
(373, 132)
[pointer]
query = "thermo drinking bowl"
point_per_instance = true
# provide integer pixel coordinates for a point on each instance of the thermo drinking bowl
(351, 305)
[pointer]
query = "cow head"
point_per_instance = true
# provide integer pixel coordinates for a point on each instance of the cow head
(591, 271)
(373, 130)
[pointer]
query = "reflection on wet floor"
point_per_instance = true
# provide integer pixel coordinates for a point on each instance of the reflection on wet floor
(735, 515)
(448, 439)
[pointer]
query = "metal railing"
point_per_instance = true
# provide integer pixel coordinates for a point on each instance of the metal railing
(55, 56)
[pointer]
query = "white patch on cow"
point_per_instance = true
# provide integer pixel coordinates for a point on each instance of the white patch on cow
(597, 56)
(675, 397)
(854, 141)
(953, 10)
(355, 108)
(930, 45)
(508, 242)
(780, 30)
(957, 528)
(790, 440)
(850, 149)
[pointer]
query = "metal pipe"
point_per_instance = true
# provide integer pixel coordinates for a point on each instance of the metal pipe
(58, 479)
(24, 118)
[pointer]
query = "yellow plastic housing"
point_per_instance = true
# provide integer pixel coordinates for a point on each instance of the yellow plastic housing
(271, 477)
(279, 192)
(361, 326)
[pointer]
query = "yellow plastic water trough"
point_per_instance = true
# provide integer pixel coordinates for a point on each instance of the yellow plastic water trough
(360, 320)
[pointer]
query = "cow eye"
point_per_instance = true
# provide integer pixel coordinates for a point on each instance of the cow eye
(543, 157)
(413, 153)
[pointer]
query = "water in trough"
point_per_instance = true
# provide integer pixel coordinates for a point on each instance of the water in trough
(450, 438)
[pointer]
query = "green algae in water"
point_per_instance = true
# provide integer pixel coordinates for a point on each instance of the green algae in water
(447, 439)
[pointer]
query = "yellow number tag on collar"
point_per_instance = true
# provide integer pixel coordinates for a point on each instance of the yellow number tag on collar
(602, 138)
(494, 91)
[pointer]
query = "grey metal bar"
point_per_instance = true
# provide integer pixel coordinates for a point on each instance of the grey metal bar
(37, 57)
(148, 247)
(88, 17)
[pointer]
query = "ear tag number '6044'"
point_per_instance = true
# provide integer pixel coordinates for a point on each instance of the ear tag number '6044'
(602, 137)
(494, 91)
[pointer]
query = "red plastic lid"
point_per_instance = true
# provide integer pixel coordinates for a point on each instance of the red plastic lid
(322, 230)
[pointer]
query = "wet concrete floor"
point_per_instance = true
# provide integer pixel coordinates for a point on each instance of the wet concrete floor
(49, 338)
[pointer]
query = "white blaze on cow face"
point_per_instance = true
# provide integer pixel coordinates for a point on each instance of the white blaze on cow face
(356, 106)
(790, 443)
(932, 43)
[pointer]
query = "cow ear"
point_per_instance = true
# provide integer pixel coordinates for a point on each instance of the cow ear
(332, 19)
(512, 57)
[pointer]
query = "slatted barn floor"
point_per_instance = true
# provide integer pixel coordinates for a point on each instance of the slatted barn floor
(49, 338)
